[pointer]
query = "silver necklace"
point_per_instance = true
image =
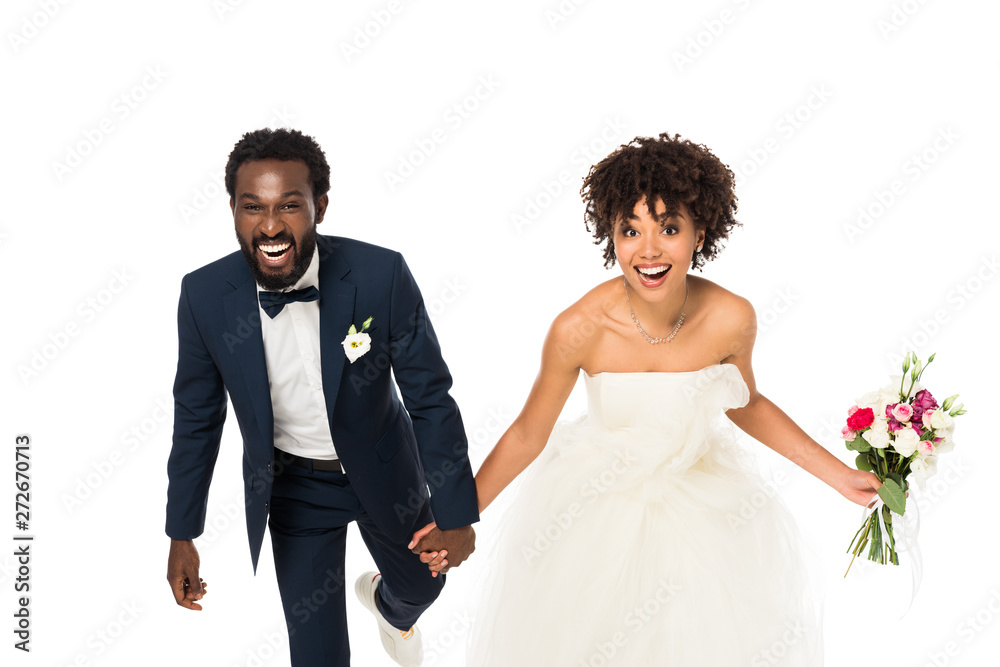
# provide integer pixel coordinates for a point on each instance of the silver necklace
(654, 339)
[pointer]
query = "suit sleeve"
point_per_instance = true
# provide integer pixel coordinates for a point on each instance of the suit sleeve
(424, 381)
(199, 413)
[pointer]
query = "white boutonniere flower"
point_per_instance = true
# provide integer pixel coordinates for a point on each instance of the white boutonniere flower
(357, 343)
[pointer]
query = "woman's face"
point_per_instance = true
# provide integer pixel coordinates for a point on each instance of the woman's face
(654, 251)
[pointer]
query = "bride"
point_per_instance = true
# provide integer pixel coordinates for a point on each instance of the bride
(630, 542)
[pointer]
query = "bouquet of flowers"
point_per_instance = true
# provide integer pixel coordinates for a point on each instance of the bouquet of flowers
(898, 433)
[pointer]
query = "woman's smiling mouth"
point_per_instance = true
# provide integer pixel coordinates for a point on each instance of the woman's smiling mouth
(652, 275)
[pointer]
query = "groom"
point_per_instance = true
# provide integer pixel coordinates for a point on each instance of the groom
(306, 334)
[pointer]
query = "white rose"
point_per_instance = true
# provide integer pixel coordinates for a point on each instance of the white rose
(356, 345)
(878, 435)
(906, 441)
(920, 471)
(946, 445)
(887, 396)
(869, 400)
(941, 420)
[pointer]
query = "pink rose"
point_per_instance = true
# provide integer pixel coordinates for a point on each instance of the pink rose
(851, 410)
(902, 412)
(925, 447)
(922, 402)
(894, 424)
(848, 434)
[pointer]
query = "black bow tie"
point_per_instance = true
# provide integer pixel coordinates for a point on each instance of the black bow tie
(273, 302)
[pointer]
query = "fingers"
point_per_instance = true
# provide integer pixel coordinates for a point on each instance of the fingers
(419, 535)
(185, 595)
(182, 574)
(434, 559)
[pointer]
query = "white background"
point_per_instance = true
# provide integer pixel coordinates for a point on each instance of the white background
(111, 194)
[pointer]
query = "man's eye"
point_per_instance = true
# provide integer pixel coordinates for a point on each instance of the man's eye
(291, 205)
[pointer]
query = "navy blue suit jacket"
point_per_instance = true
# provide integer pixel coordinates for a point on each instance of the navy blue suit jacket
(391, 451)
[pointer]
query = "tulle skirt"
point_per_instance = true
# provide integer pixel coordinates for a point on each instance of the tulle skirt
(611, 555)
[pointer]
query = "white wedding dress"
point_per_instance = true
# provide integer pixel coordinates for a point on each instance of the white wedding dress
(643, 536)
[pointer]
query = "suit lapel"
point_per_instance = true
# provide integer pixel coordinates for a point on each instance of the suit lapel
(243, 315)
(336, 314)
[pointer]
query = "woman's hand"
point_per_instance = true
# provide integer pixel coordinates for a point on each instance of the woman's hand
(859, 486)
(435, 560)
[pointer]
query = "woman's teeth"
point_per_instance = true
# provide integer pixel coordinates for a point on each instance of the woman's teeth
(652, 274)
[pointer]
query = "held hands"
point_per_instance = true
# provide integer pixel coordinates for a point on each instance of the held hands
(859, 486)
(182, 570)
(442, 550)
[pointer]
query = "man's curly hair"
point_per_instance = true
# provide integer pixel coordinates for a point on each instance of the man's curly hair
(281, 144)
(672, 169)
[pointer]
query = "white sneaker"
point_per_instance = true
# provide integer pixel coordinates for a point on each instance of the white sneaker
(405, 647)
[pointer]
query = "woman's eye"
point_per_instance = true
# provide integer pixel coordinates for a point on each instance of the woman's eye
(669, 231)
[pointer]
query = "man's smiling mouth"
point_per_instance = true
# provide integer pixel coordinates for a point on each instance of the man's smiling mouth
(274, 254)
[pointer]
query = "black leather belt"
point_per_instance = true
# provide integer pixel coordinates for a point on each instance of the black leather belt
(303, 462)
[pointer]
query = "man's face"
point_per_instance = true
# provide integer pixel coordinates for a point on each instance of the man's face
(276, 218)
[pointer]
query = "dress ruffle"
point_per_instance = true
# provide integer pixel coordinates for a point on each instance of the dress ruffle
(643, 536)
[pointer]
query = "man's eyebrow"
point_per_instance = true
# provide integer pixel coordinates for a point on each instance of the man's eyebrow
(284, 195)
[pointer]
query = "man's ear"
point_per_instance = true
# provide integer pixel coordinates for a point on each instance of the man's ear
(232, 206)
(321, 204)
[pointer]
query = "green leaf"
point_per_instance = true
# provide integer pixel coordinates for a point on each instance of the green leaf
(859, 444)
(862, 463)
(366, 324)
(893, 496)
(352, 331)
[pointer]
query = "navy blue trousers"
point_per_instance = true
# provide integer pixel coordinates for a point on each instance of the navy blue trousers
(310, 511)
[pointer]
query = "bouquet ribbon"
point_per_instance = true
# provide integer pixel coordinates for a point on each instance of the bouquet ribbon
(904, 537)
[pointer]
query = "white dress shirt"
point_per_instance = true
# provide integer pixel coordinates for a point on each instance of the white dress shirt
(291, 349)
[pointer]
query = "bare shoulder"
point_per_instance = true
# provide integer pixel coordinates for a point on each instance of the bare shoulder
(723, 309)
(576, 330)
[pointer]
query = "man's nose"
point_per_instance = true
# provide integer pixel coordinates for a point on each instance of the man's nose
(271, 225)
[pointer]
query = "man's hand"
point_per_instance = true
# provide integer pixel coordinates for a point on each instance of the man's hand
(443, 549)
(182, 573)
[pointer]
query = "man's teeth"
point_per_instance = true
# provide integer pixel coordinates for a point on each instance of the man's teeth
(275, 249)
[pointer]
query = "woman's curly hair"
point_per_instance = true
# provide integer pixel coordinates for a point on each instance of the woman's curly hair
(675, 170)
